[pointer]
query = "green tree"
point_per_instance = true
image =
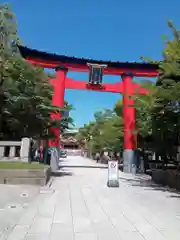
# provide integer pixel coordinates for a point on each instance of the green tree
(28, 102)
(112, 134)
(8, 30)
(166, 118)
(25, 91)
(144, 105)
(106, 132)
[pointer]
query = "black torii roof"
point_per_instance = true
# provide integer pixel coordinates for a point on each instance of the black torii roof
(36, 54)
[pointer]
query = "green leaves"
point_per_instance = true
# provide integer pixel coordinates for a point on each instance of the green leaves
(25, 90)
(165, 115)
(29, 102)
(8, 29)
(106, 132)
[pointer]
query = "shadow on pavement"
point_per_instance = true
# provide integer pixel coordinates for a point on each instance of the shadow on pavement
(175, 196)
(83, 166)
(61, 174)
(149, 185)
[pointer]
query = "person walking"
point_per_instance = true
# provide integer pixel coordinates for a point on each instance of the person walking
(97, 157)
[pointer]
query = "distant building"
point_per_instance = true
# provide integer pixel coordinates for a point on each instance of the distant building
(68, 139)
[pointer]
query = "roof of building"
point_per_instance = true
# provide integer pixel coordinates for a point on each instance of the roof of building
(67, 140)
(69, 131)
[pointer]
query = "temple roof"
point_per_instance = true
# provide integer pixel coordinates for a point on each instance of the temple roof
(68, 140)
(36, 54)
(71, 131)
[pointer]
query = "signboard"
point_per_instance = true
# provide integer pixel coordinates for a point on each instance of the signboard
(95, 73)
(113, 174)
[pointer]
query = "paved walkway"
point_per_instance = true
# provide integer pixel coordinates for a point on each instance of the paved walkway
(77, 161)
(79, 206)
(14, 201)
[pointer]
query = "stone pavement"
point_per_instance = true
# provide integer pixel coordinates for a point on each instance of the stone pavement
(14, 201)
(79, 206)
(78, 161)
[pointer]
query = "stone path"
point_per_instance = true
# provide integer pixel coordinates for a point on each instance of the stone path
(14, 201)
(77, 161)
(79, 206)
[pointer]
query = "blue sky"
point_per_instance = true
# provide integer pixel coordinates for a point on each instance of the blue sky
(120, 30)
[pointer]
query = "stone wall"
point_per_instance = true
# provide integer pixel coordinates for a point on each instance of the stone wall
(15, 150)
(25, 176)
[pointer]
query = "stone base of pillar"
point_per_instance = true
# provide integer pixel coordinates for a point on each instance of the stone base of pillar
(54, 162)
(113, 183)
(129, 161)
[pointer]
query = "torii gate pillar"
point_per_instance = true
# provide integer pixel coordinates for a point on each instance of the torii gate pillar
(130, 138)
(58, 101)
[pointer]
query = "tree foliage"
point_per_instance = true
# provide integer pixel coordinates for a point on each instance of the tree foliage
(166, 118)
(158, 113)
(104, 133)
(25, 91)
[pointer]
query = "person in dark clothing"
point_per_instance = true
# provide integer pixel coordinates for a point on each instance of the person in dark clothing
(97, 157)
(49, 157)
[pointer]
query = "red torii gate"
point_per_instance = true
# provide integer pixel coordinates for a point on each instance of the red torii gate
(62, 64)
